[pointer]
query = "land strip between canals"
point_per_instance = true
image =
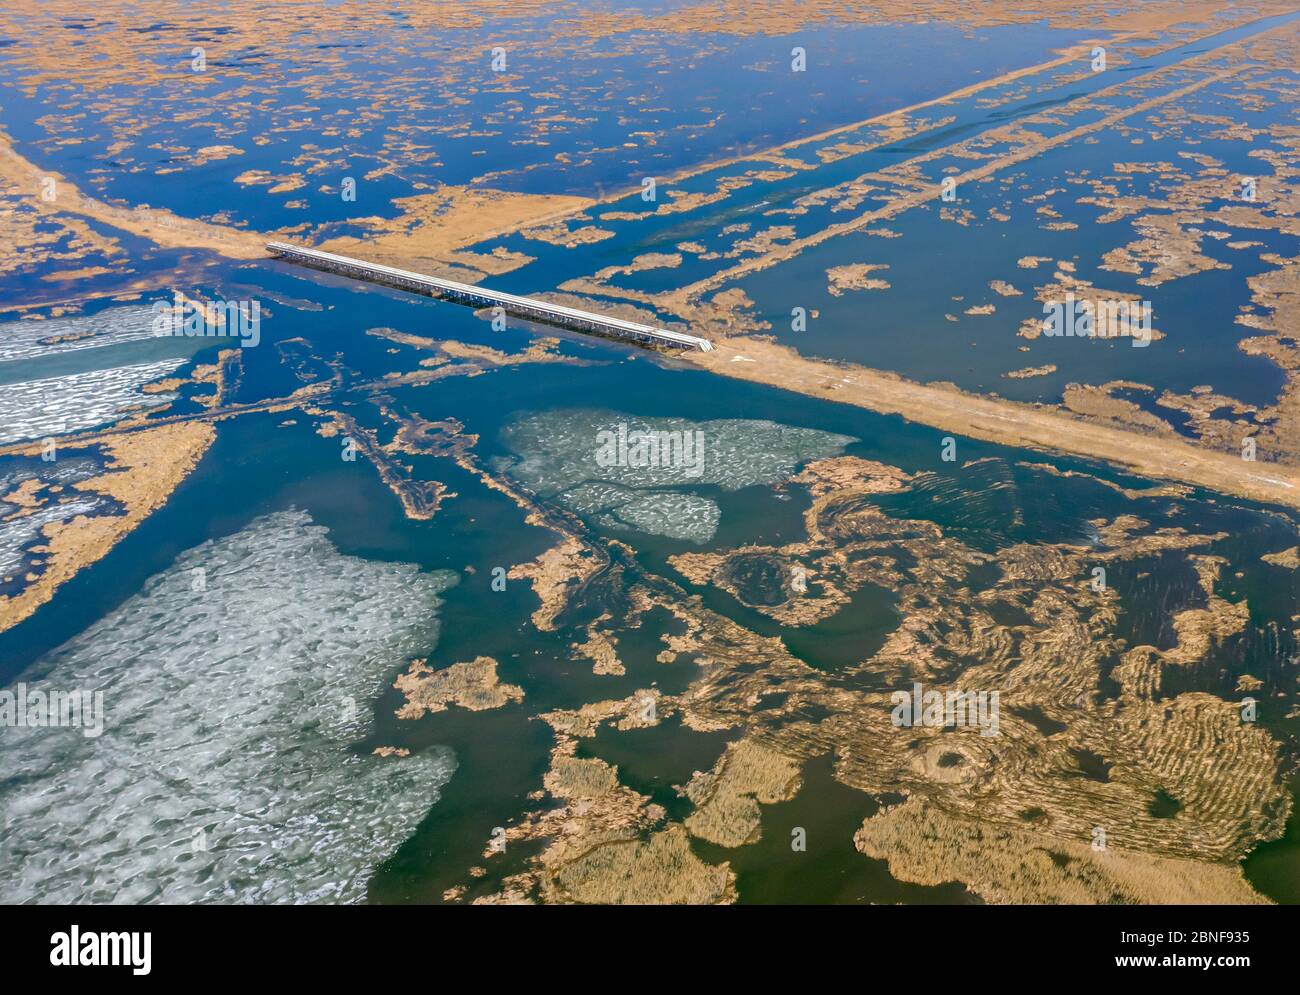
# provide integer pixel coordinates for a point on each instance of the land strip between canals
(929, 193)
(949, 409)
(27, 179)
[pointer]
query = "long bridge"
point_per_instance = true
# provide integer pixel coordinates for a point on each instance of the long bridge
(481, 297)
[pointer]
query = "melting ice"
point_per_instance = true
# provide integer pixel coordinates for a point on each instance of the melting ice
(27, 339)
(21, 528)
(34, 409)
(566, 456)
(234, 684)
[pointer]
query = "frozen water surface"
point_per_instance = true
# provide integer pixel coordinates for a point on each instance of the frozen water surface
(33, 409)
(27, 339)
(631, 472)
(234, 685)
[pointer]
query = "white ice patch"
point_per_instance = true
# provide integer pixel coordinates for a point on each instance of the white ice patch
(28, 339)
(587, 460)
(20, 532)
(34, 409)
(21, 528)
(674, 514)
(63, 471)
(225, 771)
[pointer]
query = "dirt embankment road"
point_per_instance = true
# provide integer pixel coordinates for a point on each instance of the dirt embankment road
(1008, 423)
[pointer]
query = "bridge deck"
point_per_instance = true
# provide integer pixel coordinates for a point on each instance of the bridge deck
(464, 293)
